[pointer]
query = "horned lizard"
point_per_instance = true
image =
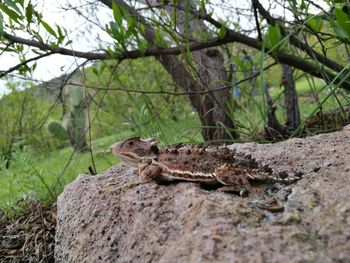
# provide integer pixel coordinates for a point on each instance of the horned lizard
(209, 165)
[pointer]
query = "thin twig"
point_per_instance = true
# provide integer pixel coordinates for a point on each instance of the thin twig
(4, 73)
(162, 92)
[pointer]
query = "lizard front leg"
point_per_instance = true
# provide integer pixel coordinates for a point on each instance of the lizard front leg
(149, 170)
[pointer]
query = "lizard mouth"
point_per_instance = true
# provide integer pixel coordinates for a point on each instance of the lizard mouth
(128, 157)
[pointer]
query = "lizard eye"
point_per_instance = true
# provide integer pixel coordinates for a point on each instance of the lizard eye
(131, 143)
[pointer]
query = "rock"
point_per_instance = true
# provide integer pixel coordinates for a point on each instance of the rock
(105, 219)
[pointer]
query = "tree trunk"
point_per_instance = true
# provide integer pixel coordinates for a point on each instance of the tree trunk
(212, 107)
(290, 98)
(273, 128)
(210, 75)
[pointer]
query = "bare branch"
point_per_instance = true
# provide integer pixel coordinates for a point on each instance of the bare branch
(5, 72)
(199, 92)
(57, 50)
(296, 42)
(257, 21)
(153, 51)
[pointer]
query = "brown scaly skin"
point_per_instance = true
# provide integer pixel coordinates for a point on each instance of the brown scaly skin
(185, 162)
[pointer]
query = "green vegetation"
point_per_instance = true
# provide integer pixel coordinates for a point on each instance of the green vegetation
(37, 157)
(38, 172)
(42, 176)
(49, 133)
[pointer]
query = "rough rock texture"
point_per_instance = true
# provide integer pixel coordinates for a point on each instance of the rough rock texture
(102, 220)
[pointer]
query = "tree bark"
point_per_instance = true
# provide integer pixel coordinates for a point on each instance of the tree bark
(212, 108)
(273, 128)
(290, 98)
(210, 75)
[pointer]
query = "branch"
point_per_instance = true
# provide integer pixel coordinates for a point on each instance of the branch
(296, 42)
(153, 51)
(55, 50)
(257, 21)
(271, 20)
(198, 92)
(281, 56)
(5, 72)
(230, 37)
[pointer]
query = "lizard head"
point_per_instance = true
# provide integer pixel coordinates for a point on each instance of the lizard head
(134, 150)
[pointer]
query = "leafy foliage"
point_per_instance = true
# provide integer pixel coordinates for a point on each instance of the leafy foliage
(140, 112)
(119, 98)
(23, 113)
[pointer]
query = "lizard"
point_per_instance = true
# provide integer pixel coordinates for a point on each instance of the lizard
(209, 165)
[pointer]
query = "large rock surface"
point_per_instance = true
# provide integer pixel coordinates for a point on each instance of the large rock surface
(101, 220)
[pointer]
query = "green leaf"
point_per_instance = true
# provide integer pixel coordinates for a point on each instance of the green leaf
(94, 70)
(29, 13)
(302, 5)
(60, 37)
(132, 28)
(48, 28)
(293, 5)
(37, 36)
(222, 31)
(117, 14)
(33, 67)
(38, 15)
(99, 68)
(316, 24)
(272, 38)
(1, 24)
(343, 20)
(142, 28)
(21, 2)
(159, 37)
(19, 48)
(340, 32)
(69, 42)
(102, 67)
(239, 63)
(142, 45)
(12, 4)
(38, 51)
(12, 14)
(118, 33)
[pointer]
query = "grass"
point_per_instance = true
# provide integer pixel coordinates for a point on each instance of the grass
(42, 177)
(314, 97)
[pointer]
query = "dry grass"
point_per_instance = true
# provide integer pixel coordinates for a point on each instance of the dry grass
(29, 237)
